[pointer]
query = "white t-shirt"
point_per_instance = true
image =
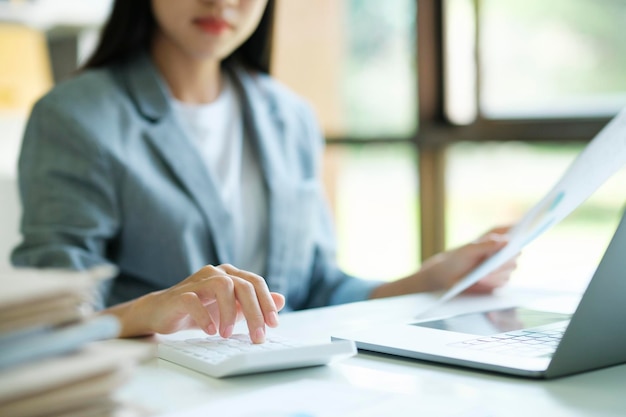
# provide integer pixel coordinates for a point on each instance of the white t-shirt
(216, 129)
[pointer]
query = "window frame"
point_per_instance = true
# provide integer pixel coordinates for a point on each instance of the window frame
(436, 132)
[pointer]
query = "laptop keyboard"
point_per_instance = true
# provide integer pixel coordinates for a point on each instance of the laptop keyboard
(527, 342)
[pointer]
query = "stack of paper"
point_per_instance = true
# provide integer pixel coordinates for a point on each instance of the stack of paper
(56, 358)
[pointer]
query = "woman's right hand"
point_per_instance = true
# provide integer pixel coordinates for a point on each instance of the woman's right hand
(212, 299)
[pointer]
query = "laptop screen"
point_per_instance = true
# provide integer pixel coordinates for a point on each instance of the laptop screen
(495, 321)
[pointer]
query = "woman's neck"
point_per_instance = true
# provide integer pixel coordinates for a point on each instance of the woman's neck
(191, 80)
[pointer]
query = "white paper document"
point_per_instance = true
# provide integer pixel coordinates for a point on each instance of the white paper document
(599, 160)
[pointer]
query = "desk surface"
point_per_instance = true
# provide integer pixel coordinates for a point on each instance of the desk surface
(431, 388)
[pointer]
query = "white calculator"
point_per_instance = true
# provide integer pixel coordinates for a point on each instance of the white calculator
(237, 355)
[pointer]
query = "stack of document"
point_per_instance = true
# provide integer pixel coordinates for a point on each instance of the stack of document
(56, 357)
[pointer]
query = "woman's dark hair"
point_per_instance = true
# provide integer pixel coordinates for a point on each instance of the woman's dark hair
(131, 25)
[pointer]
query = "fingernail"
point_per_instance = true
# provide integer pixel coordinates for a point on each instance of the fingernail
(259, 335)
(273, 319)
(228, 332)
(210, 329)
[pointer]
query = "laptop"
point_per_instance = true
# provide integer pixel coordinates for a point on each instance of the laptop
(520, 340)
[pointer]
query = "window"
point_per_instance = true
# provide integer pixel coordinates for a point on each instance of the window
(354, 60)
(468, 99)
(563, 58)
(528, 84)
(515, 59)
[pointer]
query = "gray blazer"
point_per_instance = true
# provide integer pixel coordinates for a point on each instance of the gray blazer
(108, 176)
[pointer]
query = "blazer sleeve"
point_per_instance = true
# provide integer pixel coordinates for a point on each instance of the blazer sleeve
(67, 191)
(329, 284)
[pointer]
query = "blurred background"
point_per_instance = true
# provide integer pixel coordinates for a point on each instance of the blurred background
(443, 118)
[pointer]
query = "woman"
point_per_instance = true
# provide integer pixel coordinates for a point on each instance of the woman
(173, 154)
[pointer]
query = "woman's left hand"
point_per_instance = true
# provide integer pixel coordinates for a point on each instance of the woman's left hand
(447, 268)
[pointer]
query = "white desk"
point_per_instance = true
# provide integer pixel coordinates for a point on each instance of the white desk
(442, 390)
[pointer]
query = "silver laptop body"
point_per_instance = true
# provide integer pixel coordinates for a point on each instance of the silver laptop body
(593, 337)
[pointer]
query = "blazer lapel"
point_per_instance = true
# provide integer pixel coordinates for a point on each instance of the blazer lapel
(175, 148)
